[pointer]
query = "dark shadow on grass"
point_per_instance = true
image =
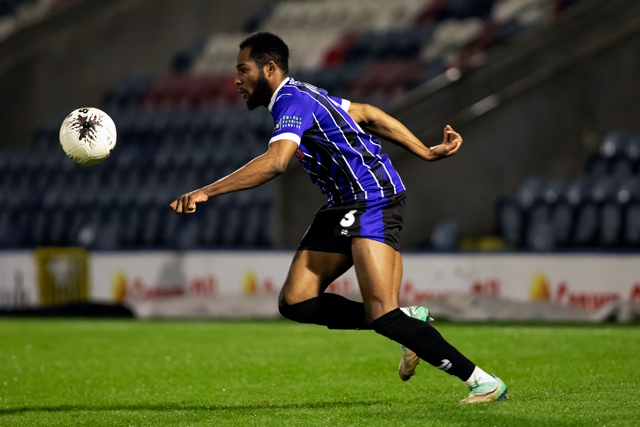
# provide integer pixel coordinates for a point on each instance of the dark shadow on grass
(179, 407)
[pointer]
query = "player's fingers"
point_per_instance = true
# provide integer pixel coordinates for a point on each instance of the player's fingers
(450, 136)
(174, 204)
(185, 204)
(456, 147)
(181, 205)
(191, 205)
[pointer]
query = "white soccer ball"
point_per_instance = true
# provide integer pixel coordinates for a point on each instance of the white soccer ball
(88, 135)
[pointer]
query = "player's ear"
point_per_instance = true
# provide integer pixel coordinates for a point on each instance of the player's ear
(271, 68)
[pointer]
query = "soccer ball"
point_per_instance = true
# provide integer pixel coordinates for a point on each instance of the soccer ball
(88, 135)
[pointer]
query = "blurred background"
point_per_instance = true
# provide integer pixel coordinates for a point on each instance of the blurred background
(545, 93)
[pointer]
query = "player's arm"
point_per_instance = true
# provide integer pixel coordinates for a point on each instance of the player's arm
(378, 123)
(258, 171)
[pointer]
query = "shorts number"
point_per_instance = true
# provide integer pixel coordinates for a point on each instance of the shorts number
(348, 219)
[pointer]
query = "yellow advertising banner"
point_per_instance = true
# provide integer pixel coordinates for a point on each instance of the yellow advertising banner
(62, 275)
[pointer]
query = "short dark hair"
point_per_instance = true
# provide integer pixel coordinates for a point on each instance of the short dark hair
(267, 47)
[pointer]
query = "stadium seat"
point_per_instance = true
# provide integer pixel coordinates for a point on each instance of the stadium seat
(628, 191)
(602, 190)
(446, 236)
(529, 192)
(631, 231)
(562, 220)
(540, 213)
(586, 227)
(555, 190)
(632, 151)
(621, 169)
(578, 191)
(610, 225)
(614, 144)
(450, 36)
(541, 237)
(150, 236)
(598, 166)
(510, 222)
(107, 237)
(187, 236)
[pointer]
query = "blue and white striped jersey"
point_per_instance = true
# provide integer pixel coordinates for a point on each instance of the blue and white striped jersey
(343, 160)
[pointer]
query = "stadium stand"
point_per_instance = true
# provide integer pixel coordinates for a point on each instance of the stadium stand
(597, 210)
(18, 14)
(183, 129)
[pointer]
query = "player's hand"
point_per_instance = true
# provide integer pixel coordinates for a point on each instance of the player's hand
(187, 202)
(449, 146)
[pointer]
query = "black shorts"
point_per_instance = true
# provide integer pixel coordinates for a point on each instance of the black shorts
(334, 226)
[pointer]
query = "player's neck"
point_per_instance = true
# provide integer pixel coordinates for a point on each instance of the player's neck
(275, 83)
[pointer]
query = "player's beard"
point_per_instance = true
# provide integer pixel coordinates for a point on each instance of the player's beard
(261, 93)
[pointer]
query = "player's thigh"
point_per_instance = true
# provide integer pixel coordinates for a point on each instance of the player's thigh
(311, 272)
(379, 270)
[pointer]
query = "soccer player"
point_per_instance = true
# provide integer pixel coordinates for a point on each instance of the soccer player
(336, 141)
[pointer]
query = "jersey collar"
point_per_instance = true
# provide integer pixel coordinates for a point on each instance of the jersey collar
(275, 93)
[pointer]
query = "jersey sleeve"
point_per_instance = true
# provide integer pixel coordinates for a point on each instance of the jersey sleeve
(344, 103)
(292, 116)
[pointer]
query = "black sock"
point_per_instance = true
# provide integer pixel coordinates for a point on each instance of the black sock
(337, 312)
(330, 310)
(422, 338)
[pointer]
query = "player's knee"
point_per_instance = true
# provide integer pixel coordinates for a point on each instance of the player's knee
(302, 312)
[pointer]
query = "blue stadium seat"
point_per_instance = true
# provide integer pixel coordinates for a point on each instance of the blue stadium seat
(586, 227)
(631, 233)
(233, 221)
(529, 192)
(562, 221)
(57, 229)
(622, 168)
(541, 237)
(555, 190)
(210, 228)
(578, 191)
(446, 236)
(540, 213)
(187, 236)
(614, 144)
(602, 190)
(598, 166)
(130, 231)
(510, 222)
(628, 191)
(169, 228)
(107, 237)
(610, 227)
(182, 61)
(150, 234)
(250, 231)
(632, 151)
(5, 228)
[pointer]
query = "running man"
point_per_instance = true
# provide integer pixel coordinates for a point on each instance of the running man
(336, 141)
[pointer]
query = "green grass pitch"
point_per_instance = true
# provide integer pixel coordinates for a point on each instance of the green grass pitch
(132, 373)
